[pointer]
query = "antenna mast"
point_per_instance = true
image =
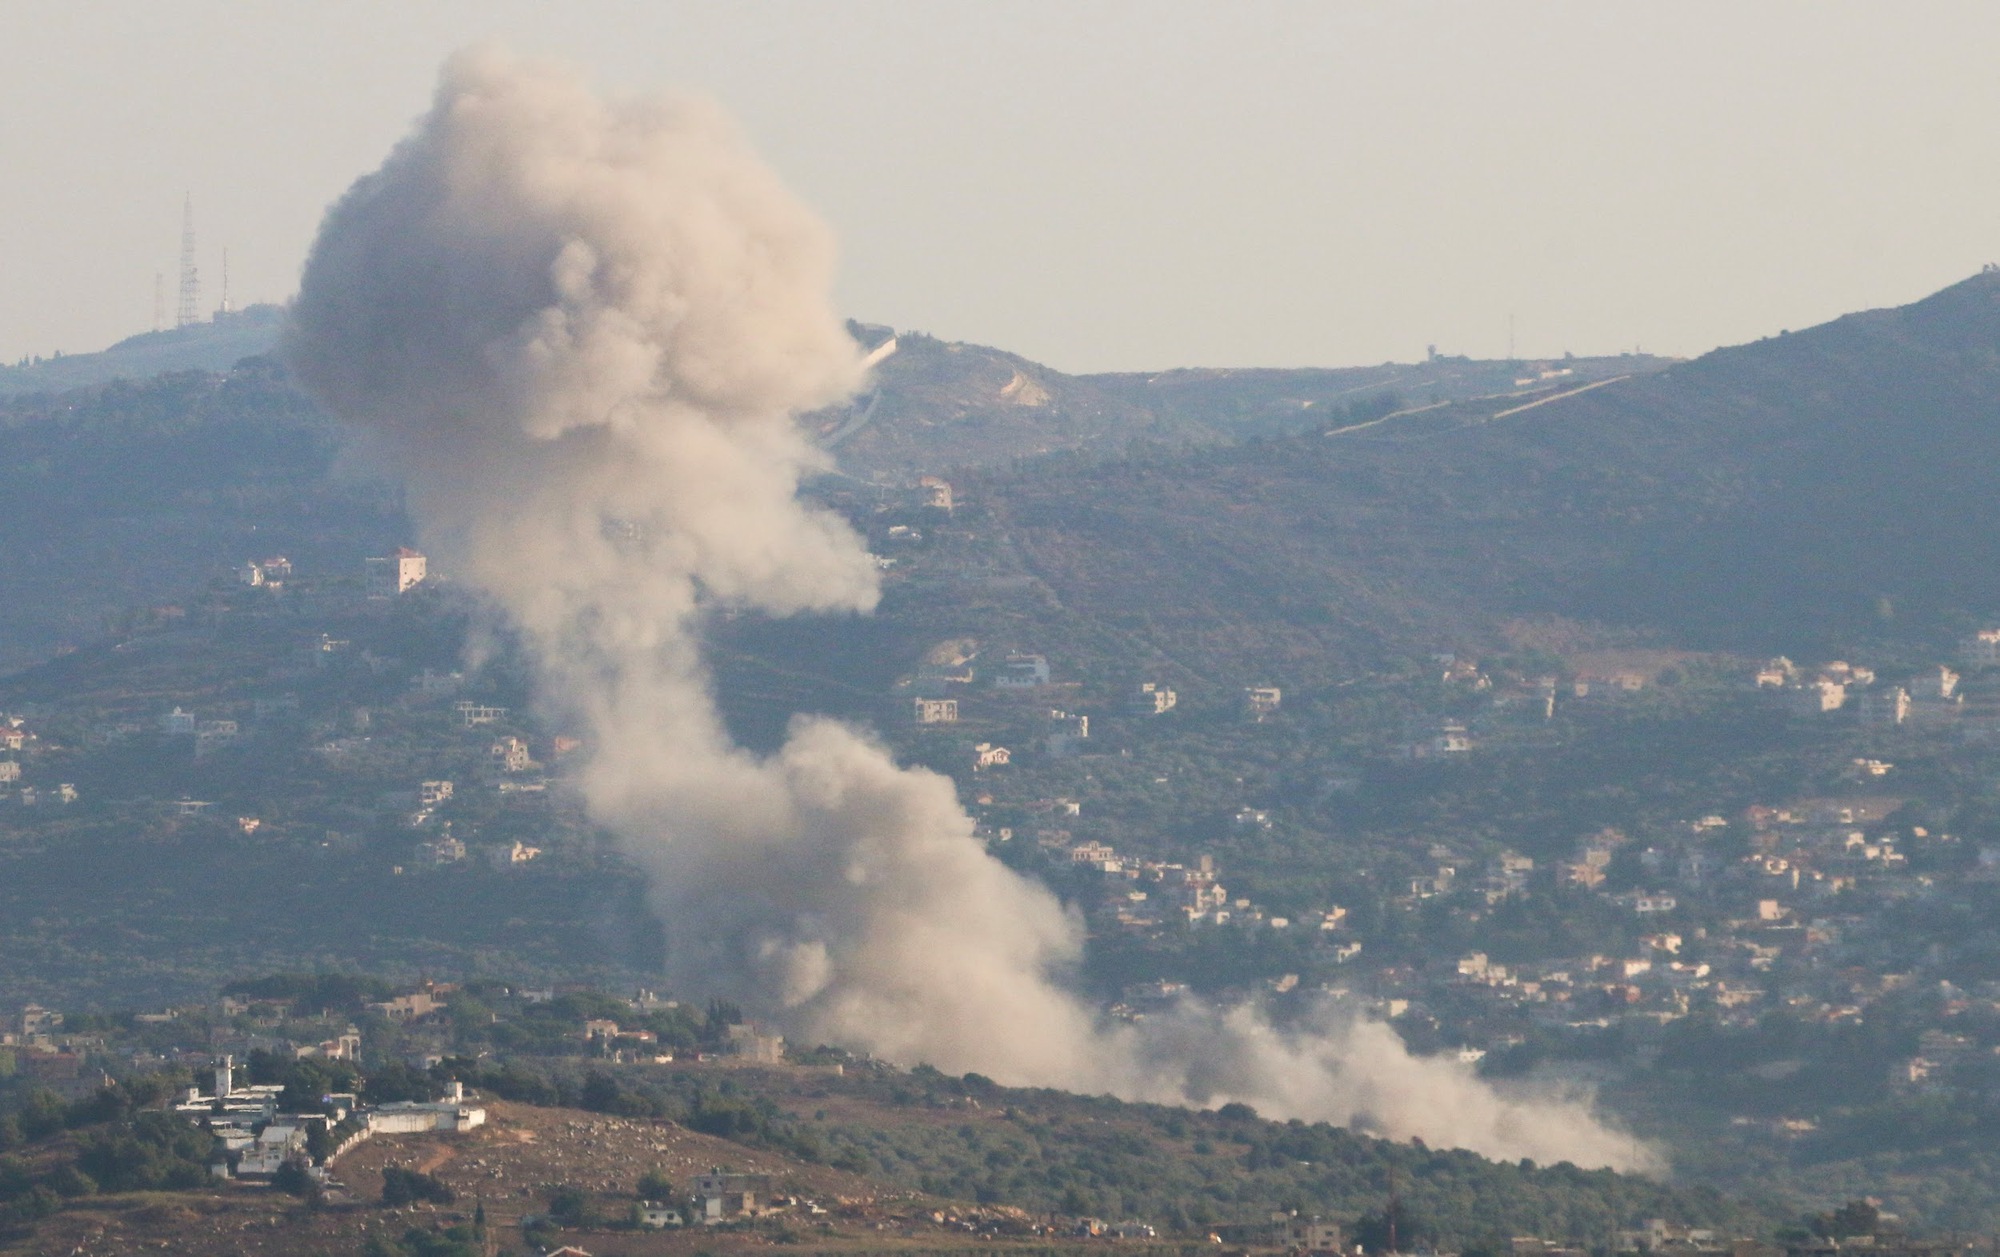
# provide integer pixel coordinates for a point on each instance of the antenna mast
(224, 307)
(159, 302)
(190, 309)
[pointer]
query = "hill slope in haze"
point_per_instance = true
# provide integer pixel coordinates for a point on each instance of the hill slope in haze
(212, 346)
(1803, 490)
(1831, 482)
(934, 406)
(131, 494)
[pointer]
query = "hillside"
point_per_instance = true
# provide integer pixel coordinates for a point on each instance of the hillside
(1801, 492)
(131, 494)
(1824, 491)
(857, 1155)
(935, 406)
(215, 345)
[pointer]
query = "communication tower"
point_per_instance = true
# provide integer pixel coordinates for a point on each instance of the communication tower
(159, 302)
(224, 307)
(190, 311)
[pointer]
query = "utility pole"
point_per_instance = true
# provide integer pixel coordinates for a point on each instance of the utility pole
(1395, 1206)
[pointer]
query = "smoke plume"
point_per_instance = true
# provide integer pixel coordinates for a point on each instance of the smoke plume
(579, 329)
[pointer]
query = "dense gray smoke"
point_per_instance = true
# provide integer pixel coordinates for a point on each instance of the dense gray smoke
(578, 328)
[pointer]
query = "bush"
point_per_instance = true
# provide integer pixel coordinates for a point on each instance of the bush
(400, 1082)
(153, 1151)
(600, 1093)
(70, 1182)
(654, 1185)
(570, 1206)
(402, 1187)
(38, 1202)
(40, 1114)
(293, 1180)
(107, 1104)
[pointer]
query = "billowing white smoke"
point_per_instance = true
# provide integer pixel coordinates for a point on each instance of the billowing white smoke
(579, 328)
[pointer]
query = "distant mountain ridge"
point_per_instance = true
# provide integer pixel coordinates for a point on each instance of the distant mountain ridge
(935, 405)
(1815, 487)
(1828, 482)
(215, 345)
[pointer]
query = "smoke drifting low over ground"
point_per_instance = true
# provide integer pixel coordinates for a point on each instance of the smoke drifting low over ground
(580, 327)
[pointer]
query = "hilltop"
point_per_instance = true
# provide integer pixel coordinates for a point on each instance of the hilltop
(1806, 491)
(936, 406)
(216, 345)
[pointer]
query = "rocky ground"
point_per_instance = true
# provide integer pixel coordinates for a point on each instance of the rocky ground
(509, 1166)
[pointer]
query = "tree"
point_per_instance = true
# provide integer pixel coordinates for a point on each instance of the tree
(570, 1206)
(293, 1180)
(1856, 1217)
(1394, 1229)
(40, 1114)
(654, 1185)
(399, 1082)
(68, 1181)
(402, 1187)
(600, 1093)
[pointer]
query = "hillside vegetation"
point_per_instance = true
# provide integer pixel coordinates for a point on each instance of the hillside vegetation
(1805, 491)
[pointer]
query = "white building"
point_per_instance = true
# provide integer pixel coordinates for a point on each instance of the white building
(1071, 731)
(1889, 706)
(1153, 699)
(1982, 649)
(510, 755)
(274, 1146)
(936, 711)
(1821, 696)
(752, 1044)
(655, 1216)
(987, 755)
(1022, 672)
(513, 855)
(405, 1117)
(718, 1195)
(935, 492)
(396, 573)
(476, 714)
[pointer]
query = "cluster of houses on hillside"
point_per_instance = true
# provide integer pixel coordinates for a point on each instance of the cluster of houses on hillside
(1930, 696)
(385, 576)
(1768, 909)
(18, 745)
(941, 686)
(1146, 894)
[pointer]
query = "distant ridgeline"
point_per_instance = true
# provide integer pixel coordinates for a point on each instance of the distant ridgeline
(128, 494)
(1820, 490)
(1811, 490)
(213, 346)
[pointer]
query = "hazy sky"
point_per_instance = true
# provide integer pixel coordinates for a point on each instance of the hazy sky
(1099, 185)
